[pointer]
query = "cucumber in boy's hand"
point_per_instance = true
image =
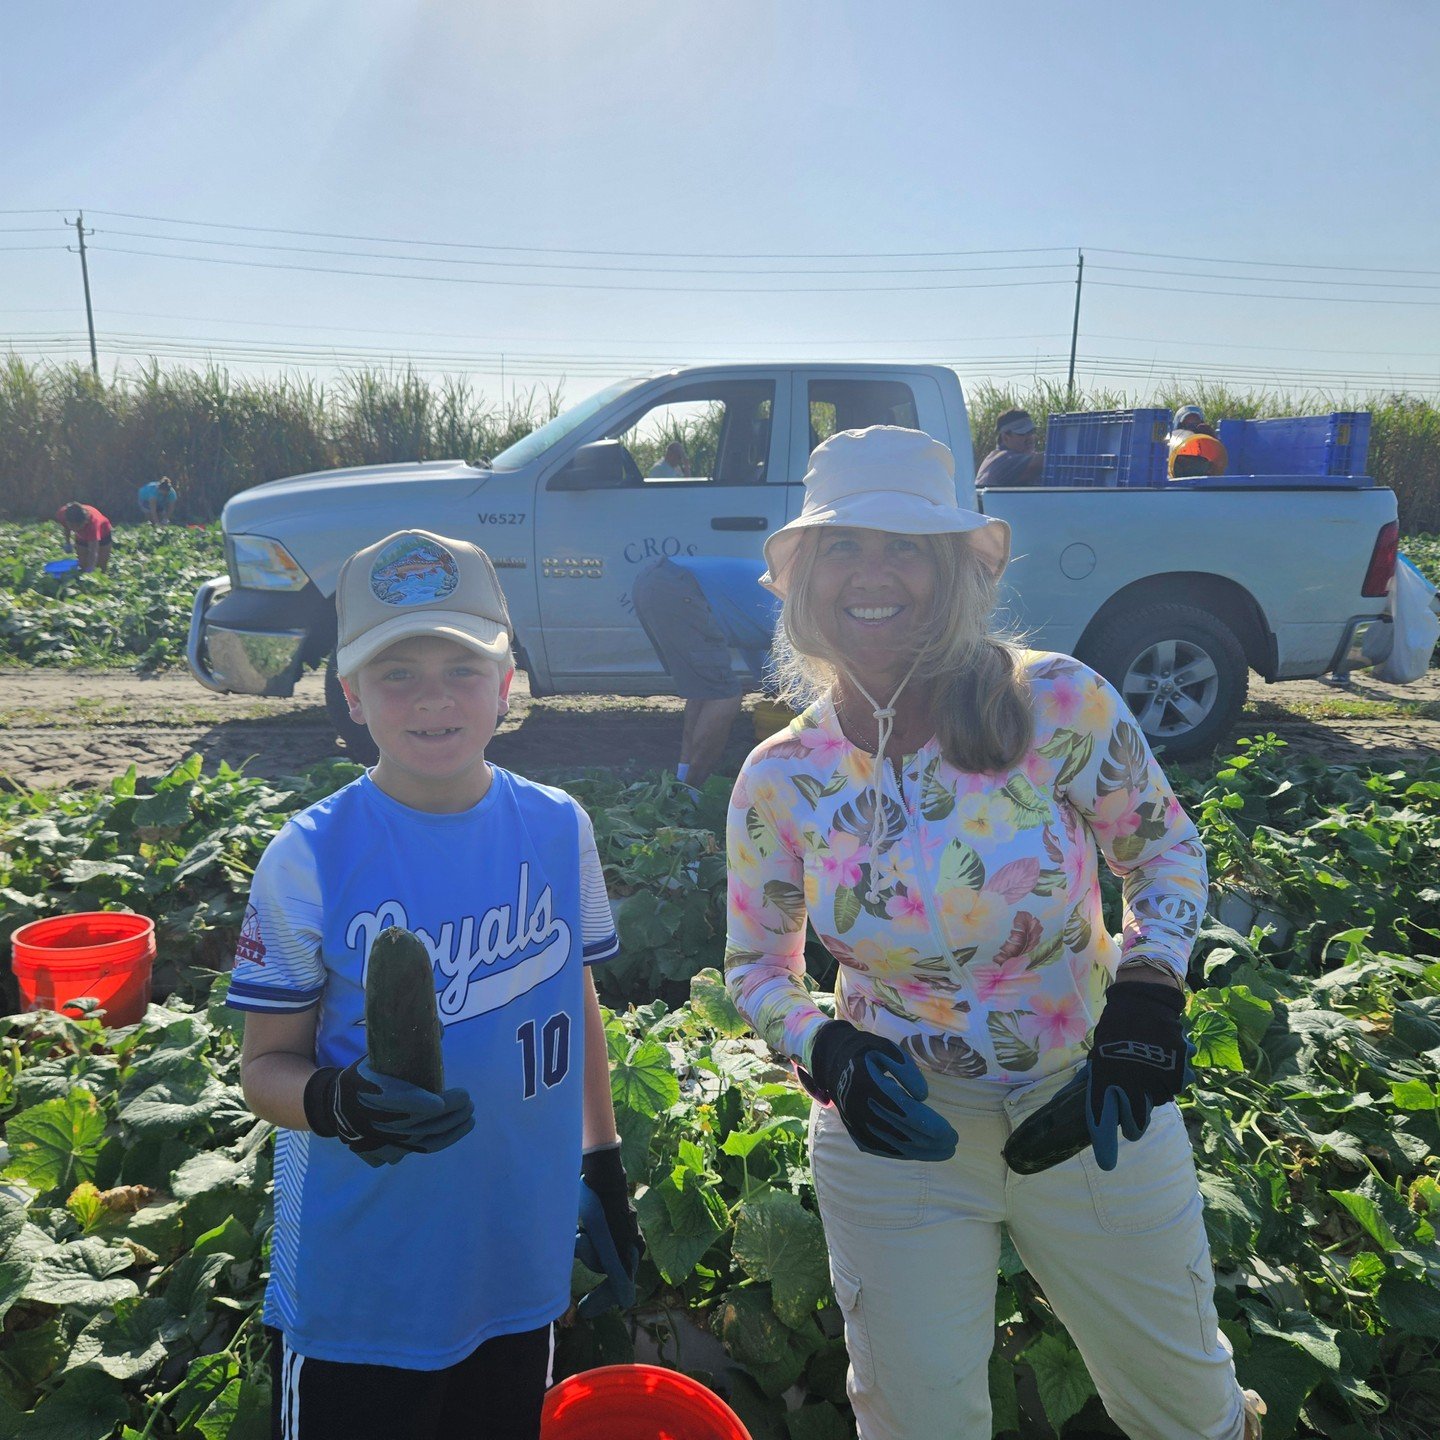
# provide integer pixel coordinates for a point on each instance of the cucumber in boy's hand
(402, 1020)
(392, 1102)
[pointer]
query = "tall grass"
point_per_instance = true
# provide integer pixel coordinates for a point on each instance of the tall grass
(66, 435)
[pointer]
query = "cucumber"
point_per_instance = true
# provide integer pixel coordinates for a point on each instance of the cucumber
(1055, 1132)
(402, 1019)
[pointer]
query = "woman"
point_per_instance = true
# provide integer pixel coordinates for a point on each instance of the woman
(936, 813)
(88, 532)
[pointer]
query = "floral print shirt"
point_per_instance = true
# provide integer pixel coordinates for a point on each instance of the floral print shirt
(970, 932)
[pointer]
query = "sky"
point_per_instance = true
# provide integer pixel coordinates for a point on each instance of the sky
(558, 193)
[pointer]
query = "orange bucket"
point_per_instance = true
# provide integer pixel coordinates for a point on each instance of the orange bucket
(637, 1402)
(105, 954)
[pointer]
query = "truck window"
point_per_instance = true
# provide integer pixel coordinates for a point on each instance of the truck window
(715, 434)
(857, 404)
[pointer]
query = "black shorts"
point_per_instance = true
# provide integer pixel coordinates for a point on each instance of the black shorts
(495, 1393)
(676, 615)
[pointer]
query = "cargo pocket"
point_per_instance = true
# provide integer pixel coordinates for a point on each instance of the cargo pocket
(1202, 1281)
(1153, 1180)
(857, 1337)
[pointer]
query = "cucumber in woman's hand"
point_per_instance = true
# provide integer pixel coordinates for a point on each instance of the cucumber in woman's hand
(402, 1020)
(1055, 1132)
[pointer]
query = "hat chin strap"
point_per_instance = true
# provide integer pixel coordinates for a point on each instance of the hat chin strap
(885, 727)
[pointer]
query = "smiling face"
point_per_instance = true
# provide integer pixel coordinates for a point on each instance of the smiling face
(431, 706)
(871, 592)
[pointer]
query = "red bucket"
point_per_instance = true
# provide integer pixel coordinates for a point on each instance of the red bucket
(105, 954)
(637, 1402)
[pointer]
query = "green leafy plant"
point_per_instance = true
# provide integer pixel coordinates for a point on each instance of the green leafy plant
(1315, 1122)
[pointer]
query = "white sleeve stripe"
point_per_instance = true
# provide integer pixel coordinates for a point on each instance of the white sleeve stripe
(271, 1006)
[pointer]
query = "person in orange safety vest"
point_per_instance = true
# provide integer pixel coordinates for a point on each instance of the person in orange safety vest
(1194, 448)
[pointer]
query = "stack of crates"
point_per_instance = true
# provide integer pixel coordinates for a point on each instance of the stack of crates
(1107, 447)
(1334, 444)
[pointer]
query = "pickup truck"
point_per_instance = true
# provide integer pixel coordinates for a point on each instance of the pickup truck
(1174, 593)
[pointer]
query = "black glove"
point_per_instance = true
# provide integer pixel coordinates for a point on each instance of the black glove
(877, 1088)
(608, 1240)
(383, 1119)
(1139, 1058)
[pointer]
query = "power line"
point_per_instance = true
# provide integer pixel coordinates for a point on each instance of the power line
(543, 265)
(1261, 295)
(573, 284)
(1273, 264)
(620, 254)
(1266, 279)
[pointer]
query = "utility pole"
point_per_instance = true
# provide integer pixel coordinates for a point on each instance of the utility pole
(85, 275)
(1074, 333)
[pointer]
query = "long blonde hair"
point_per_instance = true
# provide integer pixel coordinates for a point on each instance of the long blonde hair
(979, 692)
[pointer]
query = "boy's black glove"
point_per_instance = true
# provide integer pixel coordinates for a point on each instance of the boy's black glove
(383, 1119)
(1139, 1058)
(878, 1089)
(608, 1240)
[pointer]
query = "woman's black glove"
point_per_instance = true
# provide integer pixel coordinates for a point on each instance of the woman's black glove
(1139, 1058)
(878, 1089)
(383, 1119)
(609, 1240)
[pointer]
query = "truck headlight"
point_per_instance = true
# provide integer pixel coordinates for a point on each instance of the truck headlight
(259, 563)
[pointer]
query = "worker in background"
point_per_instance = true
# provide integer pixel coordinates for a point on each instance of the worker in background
(1015, 460)
(157, 500)
(87, 532)
(675, 465)
(696, 609)
(1194, 447)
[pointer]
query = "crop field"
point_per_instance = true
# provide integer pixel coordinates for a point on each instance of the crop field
(135, 1219)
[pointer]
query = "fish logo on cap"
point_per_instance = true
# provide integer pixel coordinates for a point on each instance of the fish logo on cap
(413, 571)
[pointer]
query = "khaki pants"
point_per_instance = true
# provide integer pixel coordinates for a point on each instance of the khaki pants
(1122, 1258)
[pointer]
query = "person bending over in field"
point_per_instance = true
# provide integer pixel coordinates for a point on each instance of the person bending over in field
(937, 814)
(87, 532)
(157, 501)
(423, 1243)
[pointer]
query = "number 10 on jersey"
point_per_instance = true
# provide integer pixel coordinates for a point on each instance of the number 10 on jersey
(544, 1052)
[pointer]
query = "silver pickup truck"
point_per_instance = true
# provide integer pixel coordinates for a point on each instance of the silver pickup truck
(1173, 593)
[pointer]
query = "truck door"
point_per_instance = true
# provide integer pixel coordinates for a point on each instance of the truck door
(709, 464)
(825, 401)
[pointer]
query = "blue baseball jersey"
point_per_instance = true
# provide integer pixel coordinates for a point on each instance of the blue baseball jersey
(416, 1264)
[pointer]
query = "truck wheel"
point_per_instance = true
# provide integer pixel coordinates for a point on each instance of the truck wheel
(1181, 671)
(354, 739)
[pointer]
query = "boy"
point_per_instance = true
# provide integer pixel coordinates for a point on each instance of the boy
(418, 1300)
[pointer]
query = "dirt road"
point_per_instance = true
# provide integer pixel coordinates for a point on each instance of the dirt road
(67, 728)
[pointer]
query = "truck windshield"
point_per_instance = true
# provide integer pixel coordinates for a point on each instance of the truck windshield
(522, 452)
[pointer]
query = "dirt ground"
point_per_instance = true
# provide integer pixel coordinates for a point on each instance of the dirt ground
(74, 728)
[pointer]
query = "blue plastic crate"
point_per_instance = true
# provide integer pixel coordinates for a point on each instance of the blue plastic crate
(1106, 447)
(1334, 444)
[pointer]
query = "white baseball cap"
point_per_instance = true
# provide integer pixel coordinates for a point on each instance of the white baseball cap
(415, 583)
(884, 478)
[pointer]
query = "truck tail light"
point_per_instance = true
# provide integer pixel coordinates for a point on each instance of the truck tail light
(1382, 562)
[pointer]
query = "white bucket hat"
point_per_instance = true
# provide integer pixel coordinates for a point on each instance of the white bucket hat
(884, 478)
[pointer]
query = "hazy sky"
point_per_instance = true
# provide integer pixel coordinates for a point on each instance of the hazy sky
(741, 163)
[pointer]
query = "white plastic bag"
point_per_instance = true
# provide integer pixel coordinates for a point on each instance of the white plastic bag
(1415, 629)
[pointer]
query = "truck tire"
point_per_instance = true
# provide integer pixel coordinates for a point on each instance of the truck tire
(1181, 671)
(354, 739)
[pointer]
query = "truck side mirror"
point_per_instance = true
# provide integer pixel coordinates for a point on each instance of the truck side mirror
(601, 465)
